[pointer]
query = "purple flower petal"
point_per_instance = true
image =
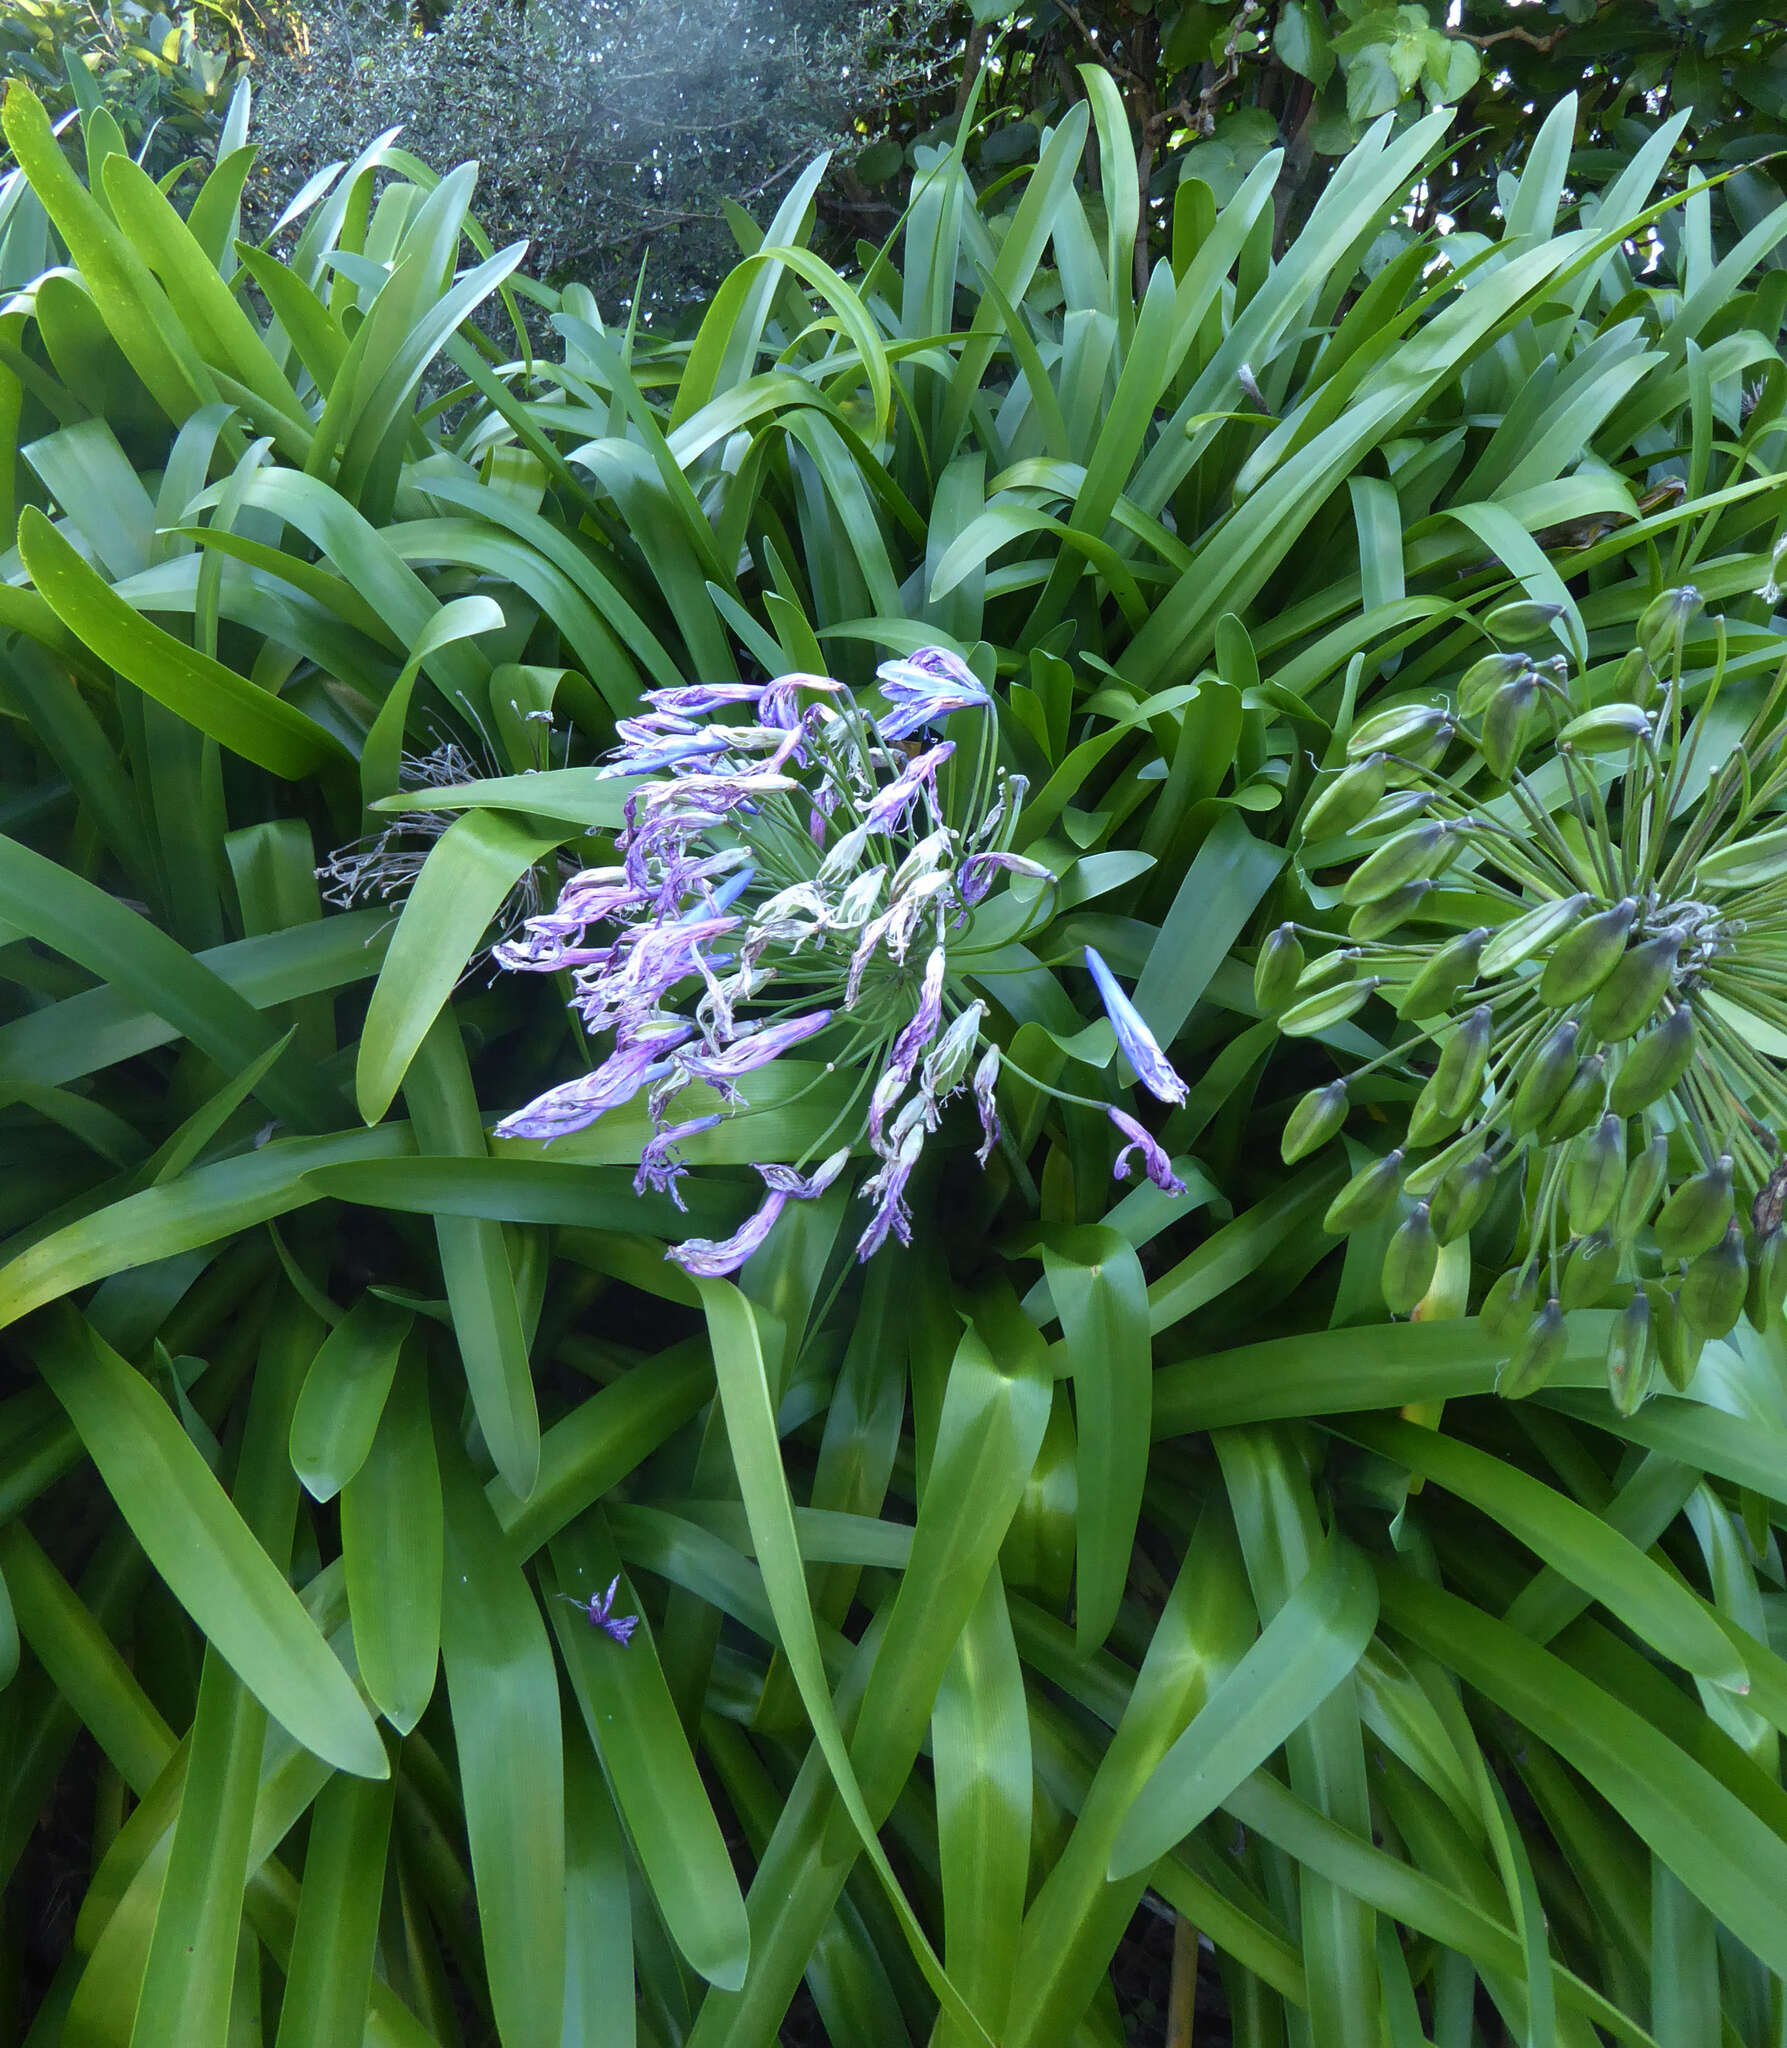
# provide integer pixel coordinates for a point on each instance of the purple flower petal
(1137, 1043)
(1156, 1164)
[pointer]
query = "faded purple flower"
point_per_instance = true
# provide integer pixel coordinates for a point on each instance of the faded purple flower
(783, 1180)
(747, 1053)
(889, 806)
(923, 1026)
(714, 1258)
(986, 1076)
(598, 1609)
(574, 1105)
(696, 700)
(925, 688)
(887, 1190)
(660, 1167)
(1137, 1043)
(975, 876)
(647, 760)
(779, 706)
(1155, 1163)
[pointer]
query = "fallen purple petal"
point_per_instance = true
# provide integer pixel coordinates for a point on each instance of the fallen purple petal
(1155, 1163)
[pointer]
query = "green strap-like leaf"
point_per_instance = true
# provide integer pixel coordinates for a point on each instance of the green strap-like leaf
(1306, 1649)
(471, 868)
(201, 1547)
(249, 721)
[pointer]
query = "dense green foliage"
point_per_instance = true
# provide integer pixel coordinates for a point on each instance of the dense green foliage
(167, 80)
(1209, 88)
(1117, 1525)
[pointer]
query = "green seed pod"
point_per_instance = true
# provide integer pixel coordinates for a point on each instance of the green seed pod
(1644, 1183)
(1608, 729)
(1328, 970)
(1348, 800)
(1714, 1286)
(1409, 1262)
(1581, 1102)
(1597, 1175)
(1623, 1004)
(1521, 618)
(1373, 921)
(1314, 1121)
(1431, 1122)
(1582, 959)
(1537, 1355)
(1461, 1198)
(1366, 1196)
(1458, 1078)
(1542, 1087)
(1483, 678)
(1508, 1306)
(1636, 681)
(1590, 1273)
(1399, 808)
(1276, 970)
(1678, 1347)
(1453, 967)
(1768, 1281)
(1420, 1182)
(1655, 1063)
(1693, 1219)
(1507, 725)
(1523, 936)
(1322, 1012)
(1743, 864)
(1402, 729)
(1415, 852)
(1631, 1354)
(1663, 616)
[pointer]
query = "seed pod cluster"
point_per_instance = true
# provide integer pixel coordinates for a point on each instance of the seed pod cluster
(1580, 986)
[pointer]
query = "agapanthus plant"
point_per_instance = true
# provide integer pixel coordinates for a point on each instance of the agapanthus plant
(797, 871)
(1577, 907)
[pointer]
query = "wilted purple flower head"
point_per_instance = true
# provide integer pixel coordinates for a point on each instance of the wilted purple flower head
(793, 874)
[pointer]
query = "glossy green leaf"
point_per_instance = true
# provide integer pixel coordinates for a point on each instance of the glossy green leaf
(391, 1547)
(1098, 1290)
(343, 1396)
(503, 1686)
(646, 1760)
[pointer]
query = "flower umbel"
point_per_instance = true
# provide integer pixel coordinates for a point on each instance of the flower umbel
(1605, 1047)
(795, 870)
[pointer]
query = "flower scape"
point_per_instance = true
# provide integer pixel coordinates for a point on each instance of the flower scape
(1601, 1033)
(797, 872)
